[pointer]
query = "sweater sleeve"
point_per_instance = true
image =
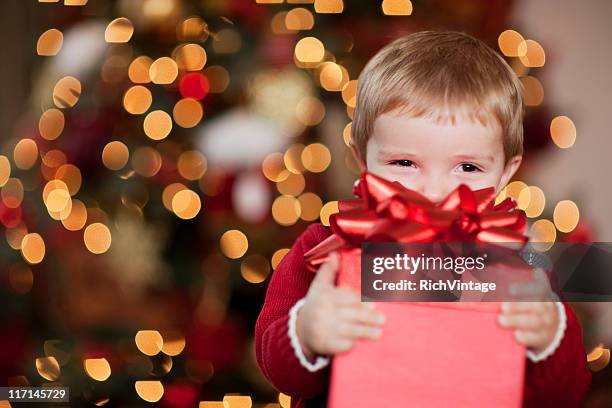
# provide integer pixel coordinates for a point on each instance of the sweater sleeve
(563, 379)
(275, 355)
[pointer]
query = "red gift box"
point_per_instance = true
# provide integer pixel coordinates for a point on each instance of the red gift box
(430, 354)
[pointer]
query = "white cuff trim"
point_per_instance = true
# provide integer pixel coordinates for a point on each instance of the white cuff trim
(548, 351)
(321, 361)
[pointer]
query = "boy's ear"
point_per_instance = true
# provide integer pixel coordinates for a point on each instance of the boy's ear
(357, 156)
(509, 170)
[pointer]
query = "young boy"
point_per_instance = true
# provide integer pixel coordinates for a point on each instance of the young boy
(435, 109)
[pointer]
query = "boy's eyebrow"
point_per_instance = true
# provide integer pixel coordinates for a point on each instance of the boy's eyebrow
(488, 158)
(390, 154)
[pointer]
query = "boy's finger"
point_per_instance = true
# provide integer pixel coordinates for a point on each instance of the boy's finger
(533, 291)
(326, 275)
(359, 331)
(362, 315)
(527, 338)
(523, 321)
(522, 307)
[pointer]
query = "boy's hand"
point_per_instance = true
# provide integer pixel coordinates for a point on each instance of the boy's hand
(534, 316)
(332, 318)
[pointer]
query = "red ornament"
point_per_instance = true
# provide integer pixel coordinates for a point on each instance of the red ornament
(194, 85)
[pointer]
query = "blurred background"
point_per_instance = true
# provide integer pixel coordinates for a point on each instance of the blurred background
(159, 157)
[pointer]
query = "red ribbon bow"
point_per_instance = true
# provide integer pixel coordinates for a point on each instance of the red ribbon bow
(388, 212)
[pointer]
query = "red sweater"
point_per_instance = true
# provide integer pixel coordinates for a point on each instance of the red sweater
(561, 380)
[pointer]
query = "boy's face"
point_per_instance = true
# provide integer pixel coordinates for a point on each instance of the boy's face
(433, 158)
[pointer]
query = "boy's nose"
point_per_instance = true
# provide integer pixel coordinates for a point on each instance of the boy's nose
(434, 193)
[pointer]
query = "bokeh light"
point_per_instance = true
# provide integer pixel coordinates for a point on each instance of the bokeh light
(97, 238)
(33, 248)
(157, 125)
(563, 132)
(97, 368)
(169, 193)
(311, 205)
(316, 157)
(543, 235)
(332, 76)
(25, 154)
(190, 57)
(349, 93)
(309, 50)
(137, 100)
(15, 235)
(146, 161)
(255, 268)
(5, 170)
(531, 54)
(149, 390)
(397, 7)
(286, 210)
(534, 91)
(66, 92)
(48, 368)
(278, 256)
(163, 71)
(327, 210)
(186, 204)
(299, 18)
(293, 158)
(149, 342)
(50, 42)
(115, 155)
(120, 30)
(293, 184)
(191, 165)
(12, 193)
(532, 201)
(566, 216)
(187, 112)
(138, 71)
(194, 85)
(51, 124)
(284, 400)
(508, 42)
(346, 134)
(329, 6)
(237, 401)
(192, 29)
(174, 343)
(77, 218)
(51, 161)
(71, 175)
(234, 244)
(272, 167)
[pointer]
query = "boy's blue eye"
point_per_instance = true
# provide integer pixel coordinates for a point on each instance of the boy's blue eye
(403, 163)
(469, 168)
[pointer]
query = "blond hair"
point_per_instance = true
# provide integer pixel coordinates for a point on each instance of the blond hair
(425, 72)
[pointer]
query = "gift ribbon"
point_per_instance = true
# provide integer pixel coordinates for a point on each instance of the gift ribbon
(386, 211)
